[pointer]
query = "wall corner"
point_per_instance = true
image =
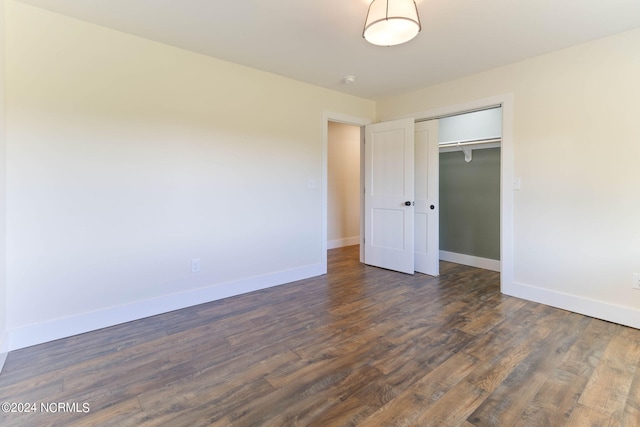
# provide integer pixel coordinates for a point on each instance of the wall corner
(3, 198)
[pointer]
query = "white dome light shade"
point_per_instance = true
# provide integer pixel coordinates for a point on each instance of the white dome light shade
(391, 22)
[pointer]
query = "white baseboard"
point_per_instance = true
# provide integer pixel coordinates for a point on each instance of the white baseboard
(589, 307)
(348, 241)
(473, 261)
(27, 336)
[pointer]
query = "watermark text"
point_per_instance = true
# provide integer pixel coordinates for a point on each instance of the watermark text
(45, 407)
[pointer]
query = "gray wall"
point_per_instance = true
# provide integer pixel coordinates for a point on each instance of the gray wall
(470, 203)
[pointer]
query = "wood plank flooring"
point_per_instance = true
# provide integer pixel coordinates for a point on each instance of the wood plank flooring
(360, 346)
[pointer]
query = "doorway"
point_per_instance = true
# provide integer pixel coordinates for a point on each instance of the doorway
(506, 173)
(469, 181)
(359, 123)
(343, 185)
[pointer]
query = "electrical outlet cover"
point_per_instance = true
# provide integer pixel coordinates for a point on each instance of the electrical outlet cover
(195, 265)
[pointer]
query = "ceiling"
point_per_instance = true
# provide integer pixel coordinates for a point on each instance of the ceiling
(320, 41)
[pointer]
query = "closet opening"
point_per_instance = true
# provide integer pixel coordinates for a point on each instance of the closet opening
(469, 184)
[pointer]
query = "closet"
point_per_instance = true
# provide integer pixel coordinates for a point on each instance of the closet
(470, 188)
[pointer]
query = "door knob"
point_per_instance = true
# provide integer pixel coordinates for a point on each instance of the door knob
(432, 207)
(407, 203)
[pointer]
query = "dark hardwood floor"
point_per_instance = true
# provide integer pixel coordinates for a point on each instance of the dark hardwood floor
(360, 346)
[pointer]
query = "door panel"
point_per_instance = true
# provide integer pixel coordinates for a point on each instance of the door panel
(387, 228)
(389, 183)
(427, 254)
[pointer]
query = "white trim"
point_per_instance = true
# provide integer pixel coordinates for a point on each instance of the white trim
(327, 117)
(470, 260)
(4, 352)
(339, 243)
(362, 185)
(65, 327)
(475, 147)
(506, 171)
(589, 307)
(3, 358)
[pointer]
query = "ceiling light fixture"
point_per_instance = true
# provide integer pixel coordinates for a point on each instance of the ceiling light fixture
(391, 22)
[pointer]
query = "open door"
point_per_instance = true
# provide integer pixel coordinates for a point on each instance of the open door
(389, 195)
(427, 156)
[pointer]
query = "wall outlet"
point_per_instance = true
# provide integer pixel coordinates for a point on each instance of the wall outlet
(195, 265)
(636, 281)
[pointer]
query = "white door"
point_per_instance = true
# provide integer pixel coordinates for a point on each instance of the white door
(427, 157)
(389, 195)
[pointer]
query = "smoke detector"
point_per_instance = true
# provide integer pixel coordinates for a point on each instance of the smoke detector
(349, 80)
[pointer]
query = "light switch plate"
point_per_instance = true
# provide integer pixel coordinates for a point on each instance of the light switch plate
(517, 183)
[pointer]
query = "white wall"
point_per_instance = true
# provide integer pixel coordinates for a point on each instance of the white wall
(343, 197)
(4, 344)
(576, 139)
(127, 158)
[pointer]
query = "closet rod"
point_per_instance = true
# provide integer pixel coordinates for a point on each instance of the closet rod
(469, 142)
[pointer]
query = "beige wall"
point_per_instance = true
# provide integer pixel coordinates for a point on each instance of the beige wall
(129, 158)
(343, 182)
(576, 144)
(3, 282)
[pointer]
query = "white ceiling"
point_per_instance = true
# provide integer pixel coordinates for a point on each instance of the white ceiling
(320, 41)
